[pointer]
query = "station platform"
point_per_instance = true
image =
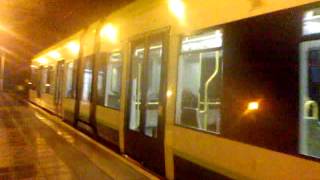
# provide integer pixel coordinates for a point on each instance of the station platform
(37, 145)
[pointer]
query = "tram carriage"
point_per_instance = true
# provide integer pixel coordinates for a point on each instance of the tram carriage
(194, 88)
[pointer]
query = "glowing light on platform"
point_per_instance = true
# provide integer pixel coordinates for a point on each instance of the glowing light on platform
(110, 32)
(55, 55)
(252, 106)
(43, 61)
(177, 7)
(74, 47)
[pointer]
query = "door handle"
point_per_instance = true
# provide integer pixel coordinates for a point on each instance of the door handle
(313, 106)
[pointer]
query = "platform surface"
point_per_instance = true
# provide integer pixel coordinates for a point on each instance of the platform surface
(35, 145)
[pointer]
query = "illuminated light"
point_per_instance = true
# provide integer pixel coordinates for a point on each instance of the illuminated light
(136, 53)
(311, 28)
(177, 7)
(110, 32)
(252, 106)
(47, 85)
(55, 54)
(33, 66)
(169, 93)
(308, 15)
(42, 61)
(115, 57)
(73, 47)
(29, 83)
(213, 39)
(156, 47)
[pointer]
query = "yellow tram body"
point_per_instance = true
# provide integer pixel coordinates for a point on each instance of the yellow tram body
(227, 157)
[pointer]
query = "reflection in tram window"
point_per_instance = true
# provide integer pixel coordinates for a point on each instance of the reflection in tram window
(311, 22)
(200, 81)
(153, 91)
(44, 81)
(109, 81)
(51, 80)
(87, 80)
(69, 87)
(136, 79)
(310, 98)
(113, 84)
(101, 81)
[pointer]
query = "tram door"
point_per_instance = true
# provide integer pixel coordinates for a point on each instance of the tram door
(310, 98)
(58, 94)
(145, 112)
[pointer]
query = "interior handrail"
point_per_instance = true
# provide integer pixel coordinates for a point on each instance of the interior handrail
(206, 105)
(311, 105)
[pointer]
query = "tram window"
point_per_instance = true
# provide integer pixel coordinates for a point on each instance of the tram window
(87, 80)
(34, 82)
(136, 87)
(311, 22)
(200, 82)
(44, 81)
(153, 91)
(101, 80)
(51, 80)
(310, 96)
(113, 84)
(109, 81)
(69, 77)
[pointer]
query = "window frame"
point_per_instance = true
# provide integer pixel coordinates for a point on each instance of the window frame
(179, 54)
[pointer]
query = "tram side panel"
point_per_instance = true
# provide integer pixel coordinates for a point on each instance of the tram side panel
(218, 154)
(260, 64)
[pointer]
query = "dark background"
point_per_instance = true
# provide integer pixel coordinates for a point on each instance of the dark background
(261, 63)
(29, 26)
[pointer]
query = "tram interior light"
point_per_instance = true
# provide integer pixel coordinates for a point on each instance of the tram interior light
(73, 47)
(55, 55)
(308, 15)
(212, 39)
(43, 61)
(177, 7)
(110, 32)
(311, 22)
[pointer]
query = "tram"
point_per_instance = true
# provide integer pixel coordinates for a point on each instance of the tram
(194, 89)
